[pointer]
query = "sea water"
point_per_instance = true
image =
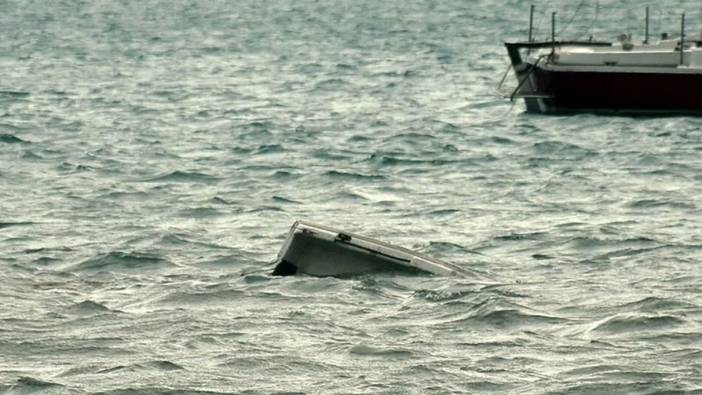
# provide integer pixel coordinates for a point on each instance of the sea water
(153, 155)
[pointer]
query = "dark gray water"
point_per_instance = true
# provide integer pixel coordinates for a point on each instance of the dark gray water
(154, 154)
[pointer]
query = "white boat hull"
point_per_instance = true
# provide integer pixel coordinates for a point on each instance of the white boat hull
(321, 251)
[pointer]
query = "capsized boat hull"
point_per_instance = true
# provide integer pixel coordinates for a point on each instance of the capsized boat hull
(322, 251)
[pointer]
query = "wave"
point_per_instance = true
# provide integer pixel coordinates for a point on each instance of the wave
(286, 366)
(10, 224)
(445, 212)
(13, 94)
(521, 236)
(31, 155)
(366, 350)
(126, 195)
(88, 307)
(269, 149)
(552, 147)
(352, 176)
(411, 138)
(26, 384)
(444, 247)
(45, 260)
(11, 139)
(656, 304)
(394, 159)
(502, 140)
(437, 127)
(346, 66)
(604, 387)
(200, 212)
(624, 252)
(228, 260)
(119, 260)
(75, 168)
(181, 239)
(330, 84)
(593, 243)
(257, 126)
(492, 311)
(162, 365)
(617, 374)
(688, 343)
(194, 298)
(281, 199)
(285, 175)
(184, 176)
(514, 318)
(627, 323)
(220, 200)
(442, 295)
(162, 391)
(660, 203)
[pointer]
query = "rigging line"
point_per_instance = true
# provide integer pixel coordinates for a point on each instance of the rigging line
(595, 18)
(572, 18)
(526, 77)
(509, 110)
(504, 77)
(538, 23)
(658, 20)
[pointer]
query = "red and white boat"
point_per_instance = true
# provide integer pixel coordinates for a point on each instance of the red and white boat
(664, 77)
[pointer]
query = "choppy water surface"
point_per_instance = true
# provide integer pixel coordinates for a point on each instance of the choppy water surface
(154, 154)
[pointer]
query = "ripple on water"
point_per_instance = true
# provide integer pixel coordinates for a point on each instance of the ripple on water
(160, 365)
(381, 352)
(11, 139)
(87, 307)
(9, 96)
(626, 324)
(352, 176)
(444, 294)
(654, 304)
(121, 260)
(28, 385)
(184, 177)
(156, 390)
(215, 298)
(14, 224)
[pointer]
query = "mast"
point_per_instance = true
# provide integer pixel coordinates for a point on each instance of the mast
(682, 38)
(553, 32)
(531, 23)
(646, 31)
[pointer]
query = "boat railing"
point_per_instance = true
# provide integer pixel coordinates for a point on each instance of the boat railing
(514, 47)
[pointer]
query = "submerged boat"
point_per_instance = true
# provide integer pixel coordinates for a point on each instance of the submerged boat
(662, 77)
(322, 251)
